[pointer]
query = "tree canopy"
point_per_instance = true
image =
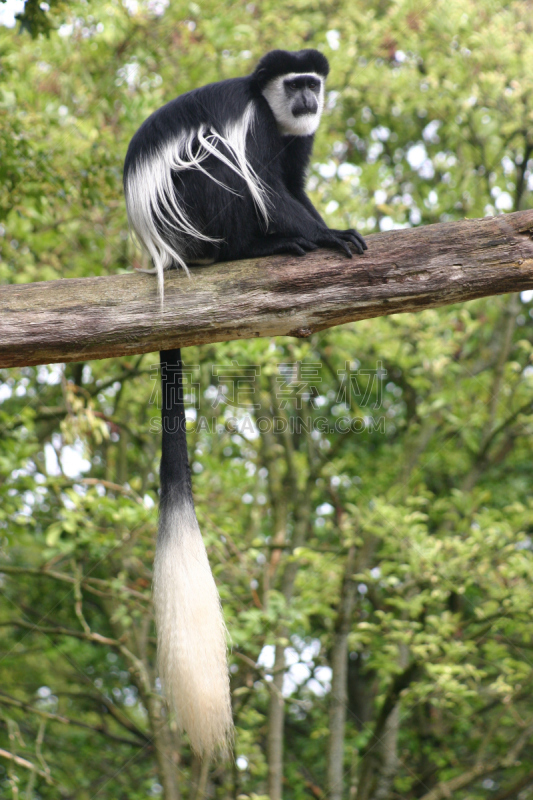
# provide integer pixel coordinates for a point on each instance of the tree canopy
(365, 495)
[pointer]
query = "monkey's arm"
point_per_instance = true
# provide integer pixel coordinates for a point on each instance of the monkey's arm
(350, 235)
(302, 198)
(295, 157)
(291, 208)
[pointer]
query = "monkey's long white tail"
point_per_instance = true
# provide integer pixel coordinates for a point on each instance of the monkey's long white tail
(191, 635)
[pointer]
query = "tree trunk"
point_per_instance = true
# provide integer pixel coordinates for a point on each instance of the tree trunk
(166, 749)
(276, 708)
(276, 718)
(389, 755)
(339, 689)
(378, 765)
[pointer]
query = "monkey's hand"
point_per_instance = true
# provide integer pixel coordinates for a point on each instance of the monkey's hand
(342, 237)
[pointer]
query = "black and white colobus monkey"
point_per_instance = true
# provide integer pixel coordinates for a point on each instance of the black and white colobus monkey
(215, 175)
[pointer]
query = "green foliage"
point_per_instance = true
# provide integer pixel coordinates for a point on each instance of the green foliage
(429, 118)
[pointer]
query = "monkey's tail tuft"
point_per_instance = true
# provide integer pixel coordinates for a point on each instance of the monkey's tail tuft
(191, 634)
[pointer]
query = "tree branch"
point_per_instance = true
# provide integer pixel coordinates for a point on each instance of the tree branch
(512, 791)
(101, 729)
(403, 270)
(445, 789)
(86, 582)
(23, 762)
(118, 715)
(96, 638)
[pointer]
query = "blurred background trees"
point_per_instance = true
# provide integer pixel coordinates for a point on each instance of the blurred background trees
(365, 495)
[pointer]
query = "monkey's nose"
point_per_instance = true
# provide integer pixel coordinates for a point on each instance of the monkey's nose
(310, 102)
(306, 105)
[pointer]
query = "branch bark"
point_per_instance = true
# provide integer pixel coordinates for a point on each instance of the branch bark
(404, 270)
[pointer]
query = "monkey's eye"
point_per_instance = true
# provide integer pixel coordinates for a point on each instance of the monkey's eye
(293, 85)
(312, 84)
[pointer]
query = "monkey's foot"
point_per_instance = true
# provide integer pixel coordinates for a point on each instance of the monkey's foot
(146, 271)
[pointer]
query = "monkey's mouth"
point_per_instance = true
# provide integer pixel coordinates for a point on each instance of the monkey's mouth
(302, 111)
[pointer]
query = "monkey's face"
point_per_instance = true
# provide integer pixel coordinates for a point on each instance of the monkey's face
(302, 93)
(296, 101)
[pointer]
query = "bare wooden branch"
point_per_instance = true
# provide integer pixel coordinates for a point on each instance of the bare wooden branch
(23, 762)
(405, 270)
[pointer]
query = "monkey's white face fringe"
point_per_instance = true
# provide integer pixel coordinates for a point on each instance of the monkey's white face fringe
(276, 97)
(151, 197)
(191, 635)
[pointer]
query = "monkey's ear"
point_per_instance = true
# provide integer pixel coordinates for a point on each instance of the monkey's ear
(260, 74)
